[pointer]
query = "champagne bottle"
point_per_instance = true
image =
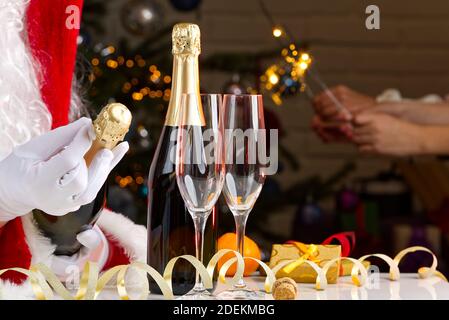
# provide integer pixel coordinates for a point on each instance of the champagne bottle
(110, 128)
(170, 226)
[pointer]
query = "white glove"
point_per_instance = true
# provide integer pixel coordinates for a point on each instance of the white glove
(95, 248)
(49, 172)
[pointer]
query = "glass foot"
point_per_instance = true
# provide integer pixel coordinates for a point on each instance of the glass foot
(241, 294)
(198, 295)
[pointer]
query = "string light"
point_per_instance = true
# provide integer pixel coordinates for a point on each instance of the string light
(137, 96)
(145, 91)
(141, 63)
(107, 51)
(277, 32)
(123, 182)
(129, 63)
(305, 56)
(112, 63)
(139, 180)
(152, 85)
(303, 65)
(273, 78)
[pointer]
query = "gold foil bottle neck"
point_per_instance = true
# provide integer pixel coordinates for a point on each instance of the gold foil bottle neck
(186, 39)
(112, 124)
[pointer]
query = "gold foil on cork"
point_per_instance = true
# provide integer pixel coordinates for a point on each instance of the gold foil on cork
(186, 39)
(110, 127)
(112, 124)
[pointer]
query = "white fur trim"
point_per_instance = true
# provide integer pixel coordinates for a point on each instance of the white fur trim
(10, 291)
(40, 246)
(132, 237)
(41, 250)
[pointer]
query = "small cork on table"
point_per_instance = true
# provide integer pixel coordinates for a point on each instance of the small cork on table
(284, 289)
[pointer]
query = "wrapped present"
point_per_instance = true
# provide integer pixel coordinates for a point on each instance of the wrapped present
(303, 272)
(346, 267)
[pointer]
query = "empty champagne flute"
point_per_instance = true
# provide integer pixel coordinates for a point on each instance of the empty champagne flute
(199, 167)
(244, 132)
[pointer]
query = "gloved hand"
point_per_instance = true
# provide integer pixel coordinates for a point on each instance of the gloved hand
(49, 172)
(95, 248)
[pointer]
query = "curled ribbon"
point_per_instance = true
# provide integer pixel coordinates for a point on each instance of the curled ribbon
(43, 280)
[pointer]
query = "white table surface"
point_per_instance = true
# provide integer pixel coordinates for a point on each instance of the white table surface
(378, 287)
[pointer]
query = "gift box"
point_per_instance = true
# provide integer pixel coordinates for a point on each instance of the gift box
(305, 273)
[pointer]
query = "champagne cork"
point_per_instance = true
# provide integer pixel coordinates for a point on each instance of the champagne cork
(284, 289)
(110, 127)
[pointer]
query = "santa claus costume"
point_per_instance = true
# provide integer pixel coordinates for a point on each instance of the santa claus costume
(36, 96)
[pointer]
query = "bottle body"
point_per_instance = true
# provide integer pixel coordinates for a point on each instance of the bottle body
(63, 230)
(171, 232)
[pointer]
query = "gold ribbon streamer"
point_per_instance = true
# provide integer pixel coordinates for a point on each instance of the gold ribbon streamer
(222, 272)
(356, 269)
(423, 272)
(394, 273)
(40, 288)
(42, 279)
(269, 279)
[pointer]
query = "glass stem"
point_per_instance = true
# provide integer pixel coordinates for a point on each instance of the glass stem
(240, 225)
(199, 221)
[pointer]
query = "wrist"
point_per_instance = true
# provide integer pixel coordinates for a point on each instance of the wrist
(10, 210)
(423, 140)
(391, 108)
(104, 252)
(433, 139)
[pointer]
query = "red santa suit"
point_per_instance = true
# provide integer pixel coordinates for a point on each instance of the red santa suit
(50, 42)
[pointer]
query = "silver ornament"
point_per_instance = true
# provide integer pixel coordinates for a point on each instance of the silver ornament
(142, 17)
